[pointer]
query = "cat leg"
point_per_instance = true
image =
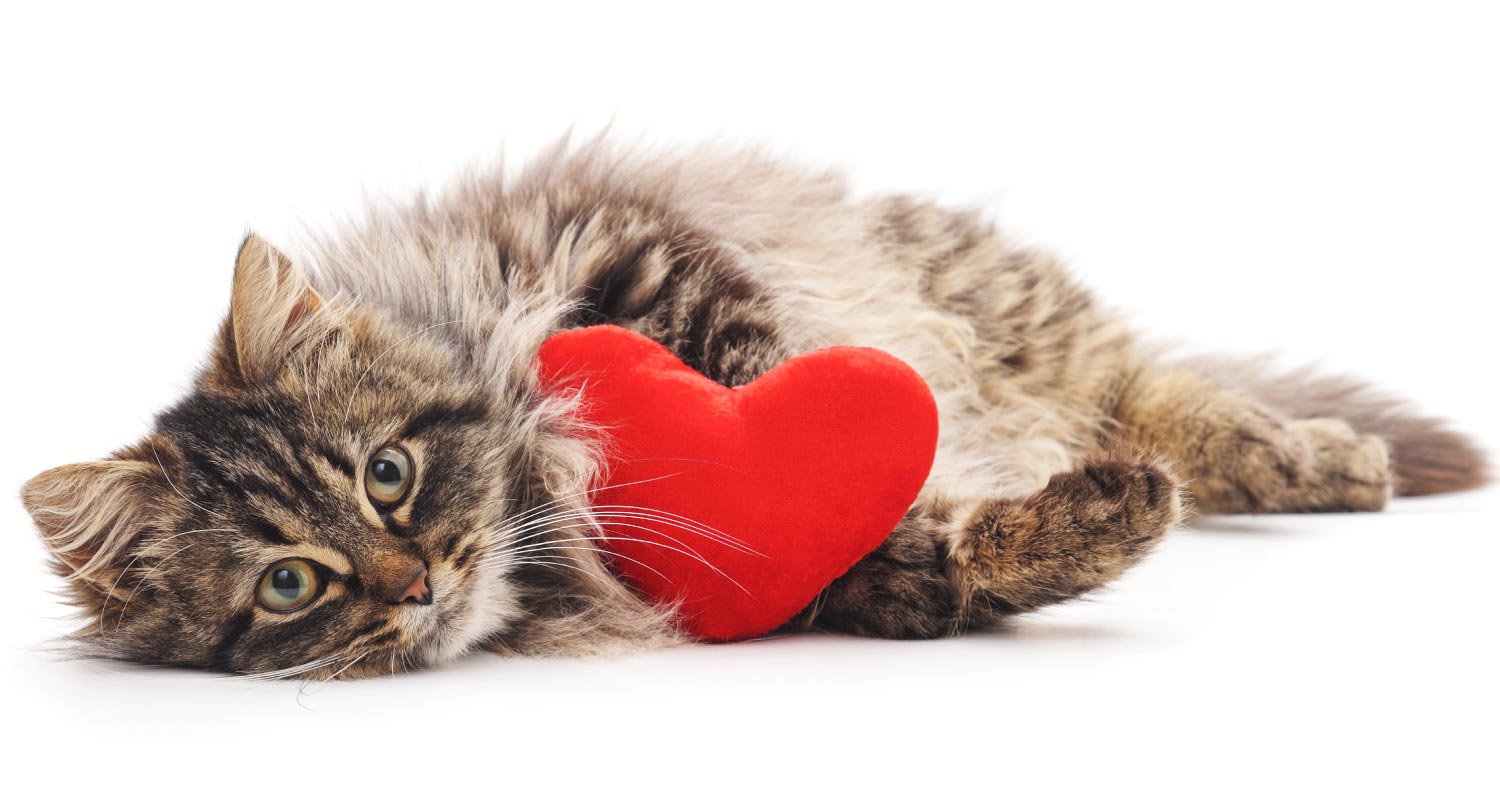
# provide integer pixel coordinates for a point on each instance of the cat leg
(951, 565)
(1239, 456)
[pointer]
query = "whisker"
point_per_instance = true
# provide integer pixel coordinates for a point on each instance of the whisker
(544, 527)
(670, 521)
(164, 474)
(685, 549)
(593, 490)
(341, 670)
(535, 560)
(541, 526)
(610, 555)
(557, 564)
(527, 522)
(606, 536)
(582, 514)
(687, 552)
(676, 522)
(704, 528)
(103, 607)
(120, 620)
(280, 674)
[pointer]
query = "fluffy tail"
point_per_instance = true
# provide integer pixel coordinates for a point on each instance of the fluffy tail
(1430, 457)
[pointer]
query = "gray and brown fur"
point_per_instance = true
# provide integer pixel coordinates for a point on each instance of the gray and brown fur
(1065, 452)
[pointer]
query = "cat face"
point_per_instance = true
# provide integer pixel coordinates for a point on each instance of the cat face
(331, 498)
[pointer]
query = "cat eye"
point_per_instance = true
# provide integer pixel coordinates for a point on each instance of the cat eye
(389, 477)
(289, 585)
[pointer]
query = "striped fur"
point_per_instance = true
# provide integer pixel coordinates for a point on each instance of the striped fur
(1062, 458)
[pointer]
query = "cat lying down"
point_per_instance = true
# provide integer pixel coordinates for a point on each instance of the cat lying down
(366, 476)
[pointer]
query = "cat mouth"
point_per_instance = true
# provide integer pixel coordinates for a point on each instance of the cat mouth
(438, 628)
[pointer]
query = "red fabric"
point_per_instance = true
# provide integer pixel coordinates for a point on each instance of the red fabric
(811, 466)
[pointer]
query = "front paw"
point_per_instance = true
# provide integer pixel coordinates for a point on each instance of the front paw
(1136, 502)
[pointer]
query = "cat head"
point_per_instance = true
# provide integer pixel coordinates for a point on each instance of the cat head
(340, 491)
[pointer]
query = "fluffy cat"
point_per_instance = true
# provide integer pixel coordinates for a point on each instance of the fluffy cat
(345, 489)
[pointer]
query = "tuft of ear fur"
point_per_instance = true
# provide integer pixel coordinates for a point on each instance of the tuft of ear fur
(273, 308)
(92, 514)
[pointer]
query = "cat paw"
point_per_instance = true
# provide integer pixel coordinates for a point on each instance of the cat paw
(1346, 471)
(1253, 465)
(1078, 533)
(1136, 502)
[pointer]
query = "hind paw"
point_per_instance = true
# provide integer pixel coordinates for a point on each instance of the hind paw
(1345, 472)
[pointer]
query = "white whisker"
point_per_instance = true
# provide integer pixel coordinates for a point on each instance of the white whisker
(687, 552)
(283, 673)
(592, 490)
(341, 670)
(674, 521)
(550, 523)
(103, 607)
(610, 555)
(120, 620)
(164, 474)
(548, 563)
(723, 537)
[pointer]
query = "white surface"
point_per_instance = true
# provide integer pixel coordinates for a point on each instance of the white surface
(1314, 179)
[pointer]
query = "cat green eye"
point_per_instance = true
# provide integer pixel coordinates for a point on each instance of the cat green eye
(388, 478)
(289, 585)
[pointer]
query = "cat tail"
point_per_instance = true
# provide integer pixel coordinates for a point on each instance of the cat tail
(1430, 457)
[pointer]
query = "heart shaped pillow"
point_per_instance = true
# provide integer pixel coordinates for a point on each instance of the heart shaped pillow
(739, 506)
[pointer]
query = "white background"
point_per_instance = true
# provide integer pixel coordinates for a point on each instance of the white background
(1319, 180)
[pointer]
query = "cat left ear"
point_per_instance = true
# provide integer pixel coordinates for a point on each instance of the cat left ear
(272, 309)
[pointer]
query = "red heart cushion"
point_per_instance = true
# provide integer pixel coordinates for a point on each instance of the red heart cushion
(754, 498)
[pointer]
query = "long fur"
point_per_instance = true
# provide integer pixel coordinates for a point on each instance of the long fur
(1066, 451)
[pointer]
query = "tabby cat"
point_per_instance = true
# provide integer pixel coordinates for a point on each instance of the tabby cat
(366, 476)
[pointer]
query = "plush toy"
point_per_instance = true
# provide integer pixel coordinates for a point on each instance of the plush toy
(776, 488)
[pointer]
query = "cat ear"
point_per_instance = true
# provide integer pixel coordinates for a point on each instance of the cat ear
(92, 514)
(272, 309)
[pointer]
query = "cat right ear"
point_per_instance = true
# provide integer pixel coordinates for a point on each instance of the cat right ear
(273, 309)
(92, 515)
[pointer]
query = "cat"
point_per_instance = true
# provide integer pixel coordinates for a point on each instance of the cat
(345, 489)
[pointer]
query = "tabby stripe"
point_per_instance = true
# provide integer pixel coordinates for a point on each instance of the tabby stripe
(384, 638)
(466, 413)
(616, 282)
(237, 627)
(336, 459)
(307, 489)
(367, 629)
(264, 529)
(246, 485)
(319, 617)
(451, 544)
(467, 554)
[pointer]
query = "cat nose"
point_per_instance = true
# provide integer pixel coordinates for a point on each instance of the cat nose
(418, 591)
(401, 579)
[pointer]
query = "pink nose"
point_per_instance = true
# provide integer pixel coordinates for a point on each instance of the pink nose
(399, 578)
(418, 592)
